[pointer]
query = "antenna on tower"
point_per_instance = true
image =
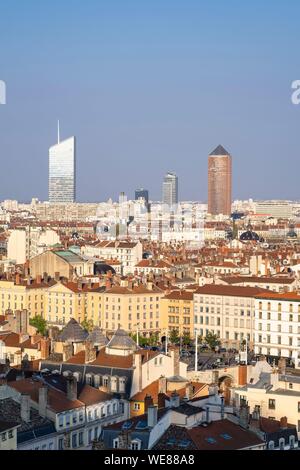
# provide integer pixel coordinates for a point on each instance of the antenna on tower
(58, 132)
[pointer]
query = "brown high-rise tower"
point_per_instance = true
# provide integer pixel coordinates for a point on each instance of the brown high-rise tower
(219, 182)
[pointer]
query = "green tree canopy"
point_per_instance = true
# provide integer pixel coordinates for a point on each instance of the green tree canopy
(39, 323)
(88, 325)
(174, 337)
(212, 340)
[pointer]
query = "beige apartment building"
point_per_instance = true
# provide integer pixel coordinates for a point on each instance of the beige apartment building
(277, 325)
(132, 308)
(227, 311)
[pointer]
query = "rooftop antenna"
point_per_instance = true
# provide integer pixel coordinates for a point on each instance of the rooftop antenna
(58, 133)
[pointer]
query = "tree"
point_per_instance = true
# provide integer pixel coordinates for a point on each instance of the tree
(212, 340)
(174, 337)
(153, 340)
(186, 339)
(142, 341)
(88, 325)
(39, 323)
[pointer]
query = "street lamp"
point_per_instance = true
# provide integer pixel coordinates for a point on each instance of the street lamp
(166, 342)
(137, 333)
(196, 350)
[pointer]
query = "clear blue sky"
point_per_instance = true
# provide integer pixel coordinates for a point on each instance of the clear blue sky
(149, 86)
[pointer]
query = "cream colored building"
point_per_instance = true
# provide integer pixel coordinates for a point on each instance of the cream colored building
(226, 311)
(277, 325)
(8, 435)
(63, 263)
(132, 308)
(128, 253)
(270, 394)
(25, 243)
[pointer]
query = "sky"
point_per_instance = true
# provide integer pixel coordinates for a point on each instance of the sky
(148, 87)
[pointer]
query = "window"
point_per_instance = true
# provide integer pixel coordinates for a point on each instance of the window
(61, 443)
(116, 443)
(136, 444)
(271, 445)
(81, 438)
(271, 404)
(74, 440)
(281, 443)
(136, 406)
(292, 442)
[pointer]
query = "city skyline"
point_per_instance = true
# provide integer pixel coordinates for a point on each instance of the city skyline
(145, 103)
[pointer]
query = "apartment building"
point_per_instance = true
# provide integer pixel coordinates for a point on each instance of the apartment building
(78, 300)
(227, 311)
(277, 325)
(132, 308)
(177, 312)
(128, 253)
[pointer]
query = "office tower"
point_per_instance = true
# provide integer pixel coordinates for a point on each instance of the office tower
(142, 193)
(219, 182)
(170, 189)
(122, 198)
(62, 170)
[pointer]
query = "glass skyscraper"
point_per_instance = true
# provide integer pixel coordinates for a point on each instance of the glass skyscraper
(170, 189)
(62, 171)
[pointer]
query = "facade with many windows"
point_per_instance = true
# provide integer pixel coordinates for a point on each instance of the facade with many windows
(277, 325)
(227, 312)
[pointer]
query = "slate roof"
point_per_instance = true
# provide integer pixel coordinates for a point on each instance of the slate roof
(97, 337)
(121, 340)
(219, 150)
(73, 333)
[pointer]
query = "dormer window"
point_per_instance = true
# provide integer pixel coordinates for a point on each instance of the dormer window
(116, 443)
(135, 444)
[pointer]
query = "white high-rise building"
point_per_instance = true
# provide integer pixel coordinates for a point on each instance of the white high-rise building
(170, 189)
(62, 171)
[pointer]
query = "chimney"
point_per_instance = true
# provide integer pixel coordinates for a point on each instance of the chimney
(71, 387)
(148, 401)
(283, 422)
(57, 276)
(18, 279)
(80, 284)
(107, 284)
(174, 400)
(45, 348)
(161, 400)
(25, 407)
(43, 400)
(39, 279)
(162, 384)
(90, 352)
(176, 359)
(189, 391)
(149, 285)
(152, 416)
(45, 276)
(244, 416)
(282, 365)
(242, 375)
